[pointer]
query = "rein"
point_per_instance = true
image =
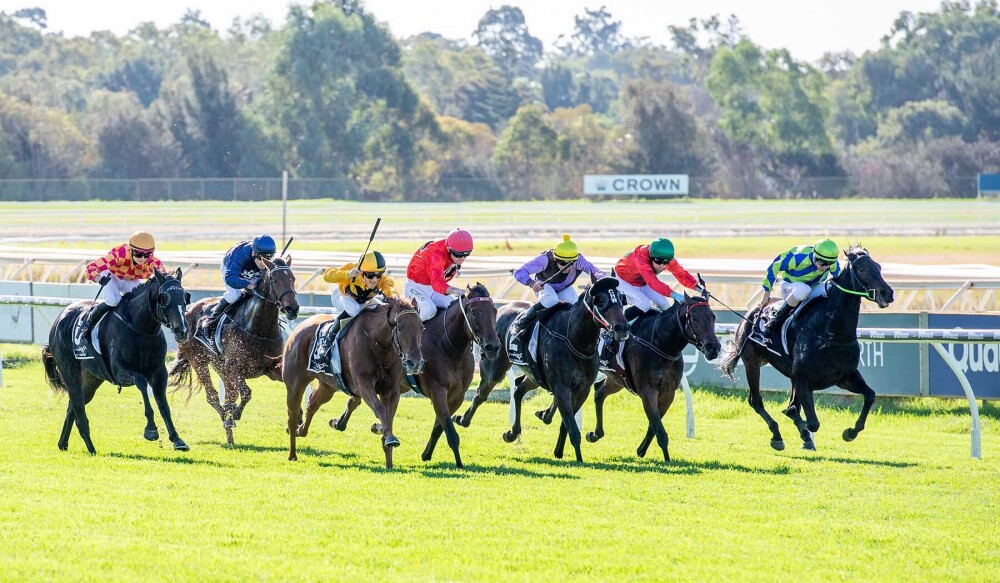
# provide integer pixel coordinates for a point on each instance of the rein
(468, 323)
(395, 329)
(869, 294)
(157, 314)
(595, 313)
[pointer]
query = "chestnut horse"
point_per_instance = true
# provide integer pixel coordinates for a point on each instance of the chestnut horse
(251, 343)
(382, 343)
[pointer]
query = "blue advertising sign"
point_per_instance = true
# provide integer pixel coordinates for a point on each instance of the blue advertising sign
(980, 362)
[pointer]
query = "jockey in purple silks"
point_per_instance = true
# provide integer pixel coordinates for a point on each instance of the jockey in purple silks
(551, 275)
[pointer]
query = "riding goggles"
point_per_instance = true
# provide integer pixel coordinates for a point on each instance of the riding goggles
(371, 274)
(659, 260)
(141, 254)
(459, 253)
(268, 256)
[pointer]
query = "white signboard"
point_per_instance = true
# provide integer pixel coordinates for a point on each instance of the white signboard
(664, 184)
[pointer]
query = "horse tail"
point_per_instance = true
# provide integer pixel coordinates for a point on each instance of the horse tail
(51, 372)
(180, 373)
(732, 351)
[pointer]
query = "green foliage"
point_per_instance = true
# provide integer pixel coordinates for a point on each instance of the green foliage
(595, 32)
(503, 34)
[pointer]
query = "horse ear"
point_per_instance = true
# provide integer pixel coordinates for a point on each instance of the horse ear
(187, 297)
(178, 273)
(686, 296)
(288, 260)
(158, 275)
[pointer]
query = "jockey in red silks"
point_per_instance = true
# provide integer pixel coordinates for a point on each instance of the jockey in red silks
(432, 267)
(637, 276)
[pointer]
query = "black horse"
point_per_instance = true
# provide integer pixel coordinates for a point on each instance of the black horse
(567, 358)
(654, 364)
(134, 349)
(823, 346)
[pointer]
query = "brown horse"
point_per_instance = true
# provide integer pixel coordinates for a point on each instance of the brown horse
(380, 345)
(654, 364)
(447, 349)
(251, 343)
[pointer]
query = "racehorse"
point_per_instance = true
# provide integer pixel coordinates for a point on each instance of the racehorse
(823, 349)
(250, 343)
(380, 345)
(654, 364)
(132, 339)
(448, 361)
(567, 358)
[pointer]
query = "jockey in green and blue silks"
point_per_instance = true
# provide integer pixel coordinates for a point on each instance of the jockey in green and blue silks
(802, 270)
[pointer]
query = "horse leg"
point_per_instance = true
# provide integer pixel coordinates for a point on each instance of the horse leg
(201, 371)
(521, 388)
(546, 415)
(752, 369)
(808, 406)
(159, 384)
(295, 388)
(77, 401)
(561, 441)
(650, 406)
(340, 424)
(490, 373)
(150, 433)
(389, 440)
(67, 427)
(445, 424)
(793, 412)
(375, 403)
(564, 401)
(599, 395)
(245, 396)
(855, 383)
(646, 440)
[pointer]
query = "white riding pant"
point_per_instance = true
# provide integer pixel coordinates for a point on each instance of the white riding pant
(643, 297)
(428, 301)
(232, 294)
(345, 303)
(118, 287)
(795, 292)
(549, 297)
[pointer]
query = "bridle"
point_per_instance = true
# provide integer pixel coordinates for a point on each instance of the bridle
(395, 328)
(869, 293)
(588, 303)
(270, 286)
(157, 313)
(468, 323)
(683, 324)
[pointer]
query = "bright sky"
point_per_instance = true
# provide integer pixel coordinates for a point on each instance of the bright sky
(806, 27)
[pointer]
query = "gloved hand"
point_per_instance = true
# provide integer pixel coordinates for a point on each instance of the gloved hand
(105, 278)
(537, 286)
(700, 289)
(678, 297)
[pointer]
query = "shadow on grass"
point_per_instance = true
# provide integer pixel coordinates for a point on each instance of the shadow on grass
(448, 470)
(638, 466)
(301, 450)
(171, 460)
(847, 460)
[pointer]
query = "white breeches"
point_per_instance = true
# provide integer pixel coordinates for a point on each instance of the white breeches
(549, 297)
(428, 301)
(642, 297)
(117, 287)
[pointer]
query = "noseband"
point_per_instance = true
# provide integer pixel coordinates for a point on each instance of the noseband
(686, 331)
(468, 323)
(270, 287)
(868, 294)
(592, 308)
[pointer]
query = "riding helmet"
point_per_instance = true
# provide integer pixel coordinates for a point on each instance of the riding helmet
(826, 250)
(263, 244)
(142, 241)
(661, 249)
(566, 251)
(459, 240)
(373, 262)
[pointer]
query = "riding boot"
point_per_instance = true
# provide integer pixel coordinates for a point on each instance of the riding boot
(633, 312)
(524, 320)
(778, 317)
(208, 320)
(337, 325)
(95, 315)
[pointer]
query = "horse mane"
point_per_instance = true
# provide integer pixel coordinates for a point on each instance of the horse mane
(855, 249)
(479, 288)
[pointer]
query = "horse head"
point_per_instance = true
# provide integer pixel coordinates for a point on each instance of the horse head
(481, 317)
(697, 322)
(281, 285)
(407, 330)
(604, 302)
(171, 302)
(863, 275)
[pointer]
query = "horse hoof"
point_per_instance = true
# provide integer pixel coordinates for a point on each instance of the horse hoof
(850, 434)
(376, 428)
(179, 445)
(63, 446)
(640, 452)
(391, 441)
(809, 445)
(541, 415)
(509, 436)
(457, 419)
(151, 434)
(558, 455)
(293, 458)
(425, 457)
(777, 444)
(592, 437)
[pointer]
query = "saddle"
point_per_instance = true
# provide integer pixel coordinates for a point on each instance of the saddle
(324, 352)
(610, 354)
(89, 348)
(525, 361)
(766, 315)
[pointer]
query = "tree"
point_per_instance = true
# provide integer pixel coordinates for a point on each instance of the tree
(595, 32)
(130, 140)
(40, 142)
(525, 156)
(141, 75)
(503, 35)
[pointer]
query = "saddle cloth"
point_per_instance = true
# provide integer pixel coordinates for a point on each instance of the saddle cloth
(324, 359)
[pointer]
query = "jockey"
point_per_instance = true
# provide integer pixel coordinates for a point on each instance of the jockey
(356, 285)
(432, 267)
(802, 270)
(240, 269)
(121, 271)
(551, 275)
(637, 276)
